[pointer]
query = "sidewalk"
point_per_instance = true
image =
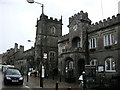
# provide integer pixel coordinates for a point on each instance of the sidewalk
(34, 82)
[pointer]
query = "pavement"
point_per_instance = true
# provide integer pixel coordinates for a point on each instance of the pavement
(34, 82)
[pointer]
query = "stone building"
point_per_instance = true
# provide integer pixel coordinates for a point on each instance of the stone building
(46, 49)
(14, 56)
(86, 44)
(90, 44)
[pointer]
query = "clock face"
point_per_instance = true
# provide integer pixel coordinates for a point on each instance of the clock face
(75, 27)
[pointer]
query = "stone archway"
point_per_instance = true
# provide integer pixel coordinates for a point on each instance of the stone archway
(69, 71)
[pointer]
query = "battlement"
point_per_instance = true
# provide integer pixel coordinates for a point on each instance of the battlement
(45, 17)
(54, 19)
(80, 16)
(105, 23)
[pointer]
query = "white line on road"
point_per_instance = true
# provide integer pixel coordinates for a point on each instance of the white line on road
(27, 86)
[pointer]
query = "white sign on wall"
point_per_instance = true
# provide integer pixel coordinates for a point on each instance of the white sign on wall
(45, 56)
(101, 68)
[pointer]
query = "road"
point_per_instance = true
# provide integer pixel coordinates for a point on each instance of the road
(34, 84)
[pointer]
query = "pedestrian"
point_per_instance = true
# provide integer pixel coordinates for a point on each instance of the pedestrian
(81, 80)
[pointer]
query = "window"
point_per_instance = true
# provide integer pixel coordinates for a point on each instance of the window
(70, 65)
(53, 30)
(93, 43)
(110, 65)
(76, 42)
(93, 62)
(52, 56)
(108, 39)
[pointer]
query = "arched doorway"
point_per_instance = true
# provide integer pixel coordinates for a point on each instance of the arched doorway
(81, 63)
(69, 71)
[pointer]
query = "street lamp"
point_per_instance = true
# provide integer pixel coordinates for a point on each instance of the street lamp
(41, 63)
(32, 1)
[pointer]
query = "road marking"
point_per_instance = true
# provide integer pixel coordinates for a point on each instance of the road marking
(27, 86)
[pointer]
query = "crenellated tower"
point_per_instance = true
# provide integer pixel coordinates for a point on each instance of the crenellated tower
(47, 32)
(78, 25)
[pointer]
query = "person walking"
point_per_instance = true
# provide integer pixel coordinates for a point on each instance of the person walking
(81, 80)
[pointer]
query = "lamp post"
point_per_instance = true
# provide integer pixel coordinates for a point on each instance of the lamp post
(41, 63)
(32, 1)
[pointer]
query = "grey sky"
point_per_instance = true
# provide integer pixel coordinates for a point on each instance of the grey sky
(18, 18)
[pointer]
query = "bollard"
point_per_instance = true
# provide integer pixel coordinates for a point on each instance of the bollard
(41, 82)
(69, 88)
(27, 76)
(56, 85)
(60, 78)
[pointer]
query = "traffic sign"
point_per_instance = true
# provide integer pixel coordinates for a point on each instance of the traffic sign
(45, 56)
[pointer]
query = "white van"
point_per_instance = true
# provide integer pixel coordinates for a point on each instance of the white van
(4, 67)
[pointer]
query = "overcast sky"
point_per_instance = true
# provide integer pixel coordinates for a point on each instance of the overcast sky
(18, 18)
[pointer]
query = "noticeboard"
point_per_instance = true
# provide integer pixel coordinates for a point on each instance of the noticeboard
(101, 68)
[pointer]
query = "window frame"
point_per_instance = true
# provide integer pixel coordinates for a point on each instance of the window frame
(95, 62)
(108, 63)
(93, 43)
(109, 39)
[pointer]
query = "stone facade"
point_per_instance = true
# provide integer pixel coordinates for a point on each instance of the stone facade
(89, 44)
(18, 57)
(47, 33)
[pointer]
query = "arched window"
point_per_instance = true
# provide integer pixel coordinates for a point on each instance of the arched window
(53, 30)
(93, 62)
(110, 65)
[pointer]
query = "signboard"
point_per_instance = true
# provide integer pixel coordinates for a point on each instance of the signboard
(101, 68)
(90, 70)
(45, 56)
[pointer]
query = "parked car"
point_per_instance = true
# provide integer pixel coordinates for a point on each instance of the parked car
(13, 76)
(33, 73)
